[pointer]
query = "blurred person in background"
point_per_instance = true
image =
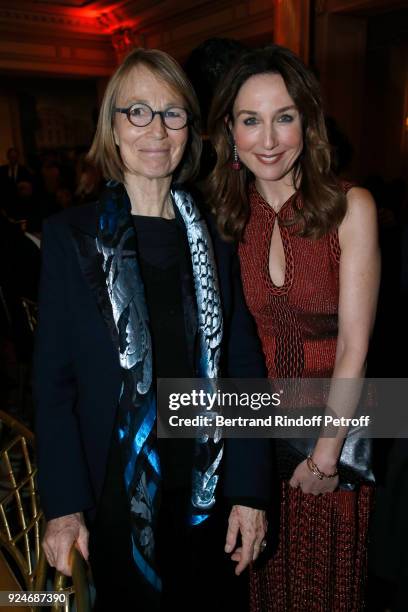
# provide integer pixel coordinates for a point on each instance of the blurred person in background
(12, 173)
(64, 198)
(89, 181)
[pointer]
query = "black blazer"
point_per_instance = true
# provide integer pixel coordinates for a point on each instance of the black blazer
(77, 377)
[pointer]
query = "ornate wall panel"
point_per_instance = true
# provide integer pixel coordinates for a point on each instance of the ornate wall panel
(56, 55)
(179, 32)
(90, 38)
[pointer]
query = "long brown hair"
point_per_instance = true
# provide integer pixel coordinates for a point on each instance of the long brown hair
(323, 201)
(104, 152)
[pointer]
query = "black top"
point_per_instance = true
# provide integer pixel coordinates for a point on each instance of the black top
(160, 247)
(159, 243)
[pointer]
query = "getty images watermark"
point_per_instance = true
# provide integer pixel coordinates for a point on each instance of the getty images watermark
(218, 400)
(282, 408)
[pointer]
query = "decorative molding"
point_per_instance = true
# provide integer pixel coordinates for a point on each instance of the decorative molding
(124, 40)
(107, 22)
(364, 7)
(172, 25)
(17, 18)
(97, 17)
(57, 55)
(178, 33)
(70, 67)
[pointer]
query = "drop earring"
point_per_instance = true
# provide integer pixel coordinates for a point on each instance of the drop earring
(236, 162)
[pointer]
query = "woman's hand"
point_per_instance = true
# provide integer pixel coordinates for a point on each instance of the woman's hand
(61, 533)
(252, 525)
(309, 483)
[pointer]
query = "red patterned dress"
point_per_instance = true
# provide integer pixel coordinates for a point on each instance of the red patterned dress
(320, 564)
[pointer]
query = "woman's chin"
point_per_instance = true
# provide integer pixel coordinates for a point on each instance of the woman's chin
(155, 173)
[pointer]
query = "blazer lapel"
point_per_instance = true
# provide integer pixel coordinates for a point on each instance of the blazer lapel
(90, 261)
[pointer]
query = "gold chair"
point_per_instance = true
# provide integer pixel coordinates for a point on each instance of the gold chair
(23, 565)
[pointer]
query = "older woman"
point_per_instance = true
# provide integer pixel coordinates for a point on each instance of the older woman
(310, 268)
(123, 301)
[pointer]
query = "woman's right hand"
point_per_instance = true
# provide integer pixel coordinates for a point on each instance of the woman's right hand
(61, 533)
(251, 525)
(309, 483)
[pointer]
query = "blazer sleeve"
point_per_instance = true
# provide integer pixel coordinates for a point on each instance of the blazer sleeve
(248, 463)
(62, 472)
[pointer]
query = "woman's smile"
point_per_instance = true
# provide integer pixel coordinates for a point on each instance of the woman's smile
(155, 152)
(269, 159)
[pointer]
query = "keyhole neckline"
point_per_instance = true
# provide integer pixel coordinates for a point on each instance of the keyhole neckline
(284, 210)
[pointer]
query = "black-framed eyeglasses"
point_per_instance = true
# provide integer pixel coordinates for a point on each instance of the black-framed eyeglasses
(140, 115)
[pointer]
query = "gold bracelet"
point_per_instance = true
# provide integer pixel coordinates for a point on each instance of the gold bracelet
(315, 470)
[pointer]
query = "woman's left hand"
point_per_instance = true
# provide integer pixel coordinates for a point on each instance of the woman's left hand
(252, 525)
(309, 483)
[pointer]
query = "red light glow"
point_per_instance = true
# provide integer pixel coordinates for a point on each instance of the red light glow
(107, 19)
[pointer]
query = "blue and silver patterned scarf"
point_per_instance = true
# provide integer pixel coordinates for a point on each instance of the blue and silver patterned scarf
(116, 241)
